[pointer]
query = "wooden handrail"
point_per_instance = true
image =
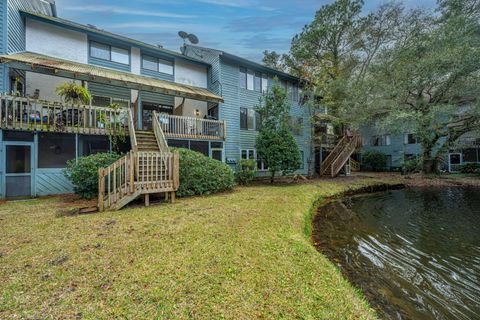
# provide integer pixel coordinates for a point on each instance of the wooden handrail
(325, 165)
(115, 181)
(344, 155)
(131, 131)
(159, 135)
(355, 165)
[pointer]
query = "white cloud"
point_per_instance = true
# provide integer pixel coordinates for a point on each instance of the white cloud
(238, 4)
(163, 25)
(124, 10)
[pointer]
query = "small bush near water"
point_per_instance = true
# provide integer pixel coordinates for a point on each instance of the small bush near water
(411, 166)
(374, 160)
(202, 175)
(245, 171)
(83, 173)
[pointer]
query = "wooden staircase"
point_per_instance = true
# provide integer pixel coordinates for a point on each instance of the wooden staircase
(147, 169)
(340, 155)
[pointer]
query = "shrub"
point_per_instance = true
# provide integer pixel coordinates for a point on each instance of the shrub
(245, 171)
(202, 175)
(470, 168)
(374, 160)
(411, 166)
(83, 173)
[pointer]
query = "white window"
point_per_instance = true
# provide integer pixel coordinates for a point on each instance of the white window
(243, 78)
(251, 154)
(149, 63)
(264, 83)
(158, 65)
(165, 66)
(120, 55)
(99, 50)
(107, 52)
(250, 77)
(381, 140)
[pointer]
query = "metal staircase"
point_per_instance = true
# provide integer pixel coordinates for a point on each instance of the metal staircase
(147, 169)
(340, 155)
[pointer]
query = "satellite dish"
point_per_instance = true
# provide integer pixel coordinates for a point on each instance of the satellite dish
(183, 34)
(192, 38)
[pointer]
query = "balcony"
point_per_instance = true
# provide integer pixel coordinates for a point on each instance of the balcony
(23, 113)
(191, 128)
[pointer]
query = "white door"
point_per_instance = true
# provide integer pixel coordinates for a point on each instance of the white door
(454, 162)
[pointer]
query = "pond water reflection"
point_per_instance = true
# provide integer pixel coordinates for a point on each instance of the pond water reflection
(414, 253)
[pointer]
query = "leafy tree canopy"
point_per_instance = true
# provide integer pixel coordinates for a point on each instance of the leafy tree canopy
(275, 143)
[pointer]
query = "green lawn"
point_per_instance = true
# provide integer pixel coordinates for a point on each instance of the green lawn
(239, 255)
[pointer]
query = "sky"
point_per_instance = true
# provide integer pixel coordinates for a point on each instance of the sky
(242, 27)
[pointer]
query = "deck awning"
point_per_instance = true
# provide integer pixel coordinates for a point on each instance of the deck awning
(35, 62)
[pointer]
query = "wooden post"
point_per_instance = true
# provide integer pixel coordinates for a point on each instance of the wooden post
(132, 171)
(176, 171)
(172, 197)
(147, 199)
(100, 189)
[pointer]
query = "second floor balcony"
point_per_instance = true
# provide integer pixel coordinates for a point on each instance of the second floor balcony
(27, 114)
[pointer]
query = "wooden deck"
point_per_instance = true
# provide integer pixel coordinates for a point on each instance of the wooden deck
(23, 113)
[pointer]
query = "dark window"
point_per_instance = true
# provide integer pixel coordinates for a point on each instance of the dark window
(18, 159)
(178, 143)
(410, 139)
(17, 136)
(470, 155)
(55, 149)
(243, 78)
(199, 146)
(217, 155)
(93, 144)
(243, 118)
(258, 82)
(217, 145)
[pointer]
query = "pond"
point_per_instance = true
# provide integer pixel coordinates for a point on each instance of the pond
(414, 253)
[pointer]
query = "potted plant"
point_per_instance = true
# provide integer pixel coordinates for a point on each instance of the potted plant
(71, 92)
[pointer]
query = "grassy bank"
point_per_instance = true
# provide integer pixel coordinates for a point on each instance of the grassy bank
(239, 255)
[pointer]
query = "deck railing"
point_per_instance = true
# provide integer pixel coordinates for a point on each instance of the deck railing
(191, 128)
(23, 113)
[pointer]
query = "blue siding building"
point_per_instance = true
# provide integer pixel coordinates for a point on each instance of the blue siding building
(241, 83)
(205, 98)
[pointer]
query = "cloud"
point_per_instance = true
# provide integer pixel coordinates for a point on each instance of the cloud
(129, 11)
(238, 4)
(267, 23)
(261, 42)
(189, 27)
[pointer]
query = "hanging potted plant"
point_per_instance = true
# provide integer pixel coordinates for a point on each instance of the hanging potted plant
(71, 92)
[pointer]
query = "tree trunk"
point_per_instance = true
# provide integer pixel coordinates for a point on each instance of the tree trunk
(272, 177)
(429, 164)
